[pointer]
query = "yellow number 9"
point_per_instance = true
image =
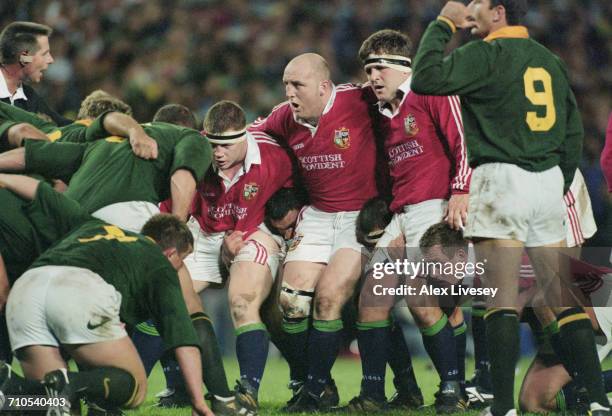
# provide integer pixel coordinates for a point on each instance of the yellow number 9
(544, 98)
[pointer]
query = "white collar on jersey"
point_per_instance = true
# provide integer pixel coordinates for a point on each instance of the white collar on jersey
(385, 109)
(328, 106)
(5, 93)
(253, 157)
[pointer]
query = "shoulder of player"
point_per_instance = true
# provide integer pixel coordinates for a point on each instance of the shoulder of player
(350, 93)
(352, 88)
(263, 140)
(280, 110)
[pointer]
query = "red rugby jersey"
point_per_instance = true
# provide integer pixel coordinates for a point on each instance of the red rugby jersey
(337, 159)
(241, 206)
(425, 148)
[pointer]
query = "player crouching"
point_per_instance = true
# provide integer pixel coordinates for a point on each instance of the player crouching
(77, 296)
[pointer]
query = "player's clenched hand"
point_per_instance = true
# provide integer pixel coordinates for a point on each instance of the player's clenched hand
(142, 145)
(458, 13)
(233, 243)
(456, 213)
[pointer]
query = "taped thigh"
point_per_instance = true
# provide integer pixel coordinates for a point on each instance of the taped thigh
(295, 303)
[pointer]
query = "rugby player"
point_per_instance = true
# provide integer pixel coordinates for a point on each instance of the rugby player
(51, 305)
(329, 129)
(524, 138)
(425, 150)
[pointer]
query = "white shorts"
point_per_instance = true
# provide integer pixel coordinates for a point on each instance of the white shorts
(53, 305)
(318, 235)
(510, 203)
(130, 215)
(604, 343)
(256, 252)
(205, 263)
(413, 222)
(581, 223)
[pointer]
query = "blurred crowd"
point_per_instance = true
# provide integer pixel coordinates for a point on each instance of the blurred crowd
(196, 52)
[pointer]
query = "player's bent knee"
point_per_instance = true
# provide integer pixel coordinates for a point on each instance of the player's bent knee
(296, 304)
(327, 307)
(243, 307)
(426, 316)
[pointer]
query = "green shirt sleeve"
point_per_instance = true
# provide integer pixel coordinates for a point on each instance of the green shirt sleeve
(192, 152)
(53, 214)
(169, 311)
(53, 160)
(465, 70)
(73, 133)
(96, 130)
(13, 113)
(5, 125)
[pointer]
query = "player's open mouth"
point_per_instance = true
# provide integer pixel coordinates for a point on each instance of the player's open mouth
(295, 106)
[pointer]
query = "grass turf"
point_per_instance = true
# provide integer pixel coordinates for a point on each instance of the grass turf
(347, 373)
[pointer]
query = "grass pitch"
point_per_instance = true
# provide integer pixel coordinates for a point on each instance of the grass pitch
(347, 373)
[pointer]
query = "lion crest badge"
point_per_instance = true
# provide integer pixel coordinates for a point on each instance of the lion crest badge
(294, 242)
(342, 138)
(410, 125)
(250, 190)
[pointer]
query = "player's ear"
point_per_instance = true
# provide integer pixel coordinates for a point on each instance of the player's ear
(499, 13)
(461, 254)
(324, 86)
(170, 252)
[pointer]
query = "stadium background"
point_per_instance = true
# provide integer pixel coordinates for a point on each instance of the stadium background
(196, 52)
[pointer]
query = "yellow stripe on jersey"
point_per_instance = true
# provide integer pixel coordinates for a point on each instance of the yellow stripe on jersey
(54, 135)
(115, 139)
(112, 233)
(572, 318)
(84, 122)
(448, 22)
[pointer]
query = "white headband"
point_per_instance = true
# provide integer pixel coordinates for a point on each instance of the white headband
(228, 137)
(397, 62)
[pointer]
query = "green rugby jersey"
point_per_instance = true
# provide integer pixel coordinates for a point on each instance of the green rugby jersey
(105, 172)
(18, 115)
(28, 228)
(137, 268)
(75, 132)
(516, 101)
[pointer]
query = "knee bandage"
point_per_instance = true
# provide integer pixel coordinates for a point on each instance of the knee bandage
(295, 303)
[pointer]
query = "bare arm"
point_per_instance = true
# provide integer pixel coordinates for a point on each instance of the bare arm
(13, 160)
(123, 125)
(182, 190)
(19, 132)
(191, 367)
(24, 186)
(4, 285)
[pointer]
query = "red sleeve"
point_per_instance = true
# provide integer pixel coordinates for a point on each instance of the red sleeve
(446, 112)
(166, 206)
(275, 124)
(606, 155)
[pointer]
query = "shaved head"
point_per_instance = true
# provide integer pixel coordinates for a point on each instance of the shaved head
(311, 63)
(308, 86)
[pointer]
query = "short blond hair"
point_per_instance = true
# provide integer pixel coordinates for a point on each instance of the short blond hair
(99, 102)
